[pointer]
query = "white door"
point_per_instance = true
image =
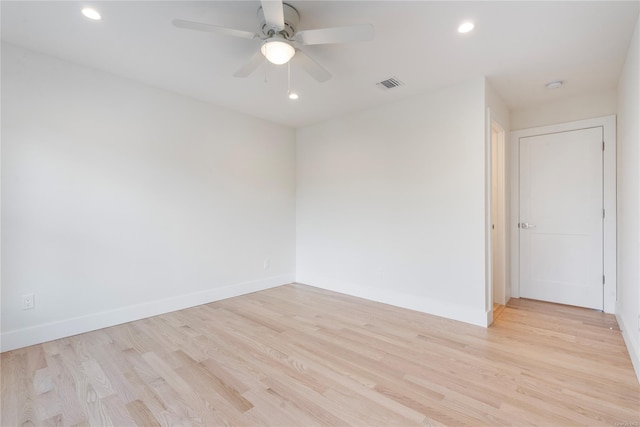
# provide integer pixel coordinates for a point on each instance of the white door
(561, 211)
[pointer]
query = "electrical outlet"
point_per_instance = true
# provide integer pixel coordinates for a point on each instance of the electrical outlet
(28, 301)
(267, 263)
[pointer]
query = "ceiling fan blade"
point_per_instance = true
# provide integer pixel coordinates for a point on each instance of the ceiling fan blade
(273, 13)
(312, 68)
(198, 26)
(353, 33)
(253, 63)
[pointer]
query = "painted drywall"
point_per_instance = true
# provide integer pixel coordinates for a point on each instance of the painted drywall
(586, 106)
(120, 201)
(628, 305)
(498, 111)
(391, 203)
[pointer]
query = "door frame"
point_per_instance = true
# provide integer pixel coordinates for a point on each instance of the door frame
(608, 123)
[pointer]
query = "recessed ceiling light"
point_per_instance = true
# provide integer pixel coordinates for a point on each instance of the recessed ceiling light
(91, 13)
(555, 85)
(465, 27)
(293, 95)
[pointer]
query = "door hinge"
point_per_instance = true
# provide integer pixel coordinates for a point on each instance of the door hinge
(603, 281)
(603, 213)
(602, 145)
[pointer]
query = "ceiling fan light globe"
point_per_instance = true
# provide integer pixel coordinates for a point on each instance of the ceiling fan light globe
(91, 14)
(278, 52)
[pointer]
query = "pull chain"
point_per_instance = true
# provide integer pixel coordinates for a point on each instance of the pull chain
(291, 95)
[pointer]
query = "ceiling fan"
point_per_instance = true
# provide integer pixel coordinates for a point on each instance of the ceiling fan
(280, 36)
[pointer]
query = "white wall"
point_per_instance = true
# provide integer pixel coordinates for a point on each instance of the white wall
(586, 106)
(120, 201)
(628, 307)
(391, 203)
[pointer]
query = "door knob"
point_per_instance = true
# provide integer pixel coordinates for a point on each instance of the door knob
(526, 225)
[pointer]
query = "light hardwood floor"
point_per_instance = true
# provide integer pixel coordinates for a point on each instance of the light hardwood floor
(301, 356)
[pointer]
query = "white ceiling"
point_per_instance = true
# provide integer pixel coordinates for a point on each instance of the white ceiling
(519, 46)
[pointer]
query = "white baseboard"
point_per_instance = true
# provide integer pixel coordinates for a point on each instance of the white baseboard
(461, 313)
(64, 328)
(631, 346)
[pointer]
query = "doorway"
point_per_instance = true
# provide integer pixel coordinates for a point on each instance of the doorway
(498, 219)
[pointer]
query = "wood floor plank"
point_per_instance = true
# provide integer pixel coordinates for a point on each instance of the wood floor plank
(10, 404)
(48, 402)
(178, 397)
(117, 411)
(204, 381)
(116, 369)
(141, 414)
(298, 355)
(65, 387)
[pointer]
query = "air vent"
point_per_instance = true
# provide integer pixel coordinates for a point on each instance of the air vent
(390, 83)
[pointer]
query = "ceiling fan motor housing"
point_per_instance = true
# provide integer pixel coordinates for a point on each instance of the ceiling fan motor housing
(291, 19)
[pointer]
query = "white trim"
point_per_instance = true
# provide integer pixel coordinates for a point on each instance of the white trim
(633, 351)
(64, 328)
(608, 123)
(457, 312)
